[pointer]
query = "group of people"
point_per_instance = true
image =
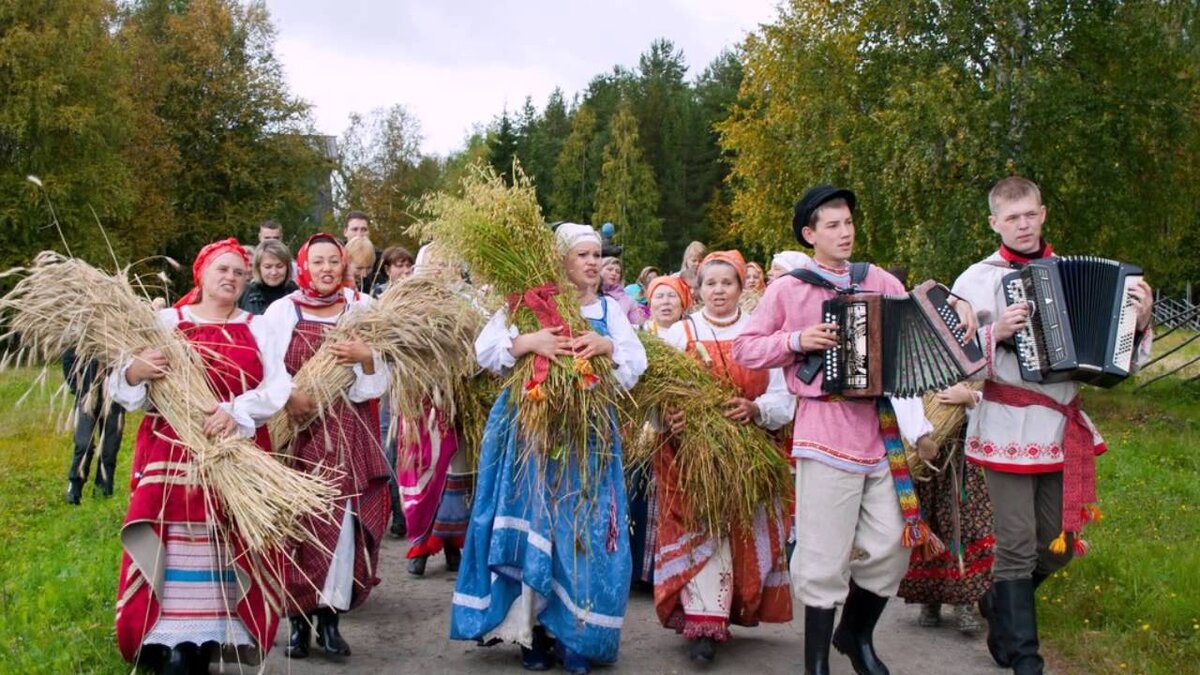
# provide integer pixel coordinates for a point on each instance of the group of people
(546, 546)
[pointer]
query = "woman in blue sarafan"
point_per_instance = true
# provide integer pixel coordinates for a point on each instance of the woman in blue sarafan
(546, 562)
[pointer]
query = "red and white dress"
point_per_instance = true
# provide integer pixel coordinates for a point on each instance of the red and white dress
(183, 576)
(343, 441)
(704, 583)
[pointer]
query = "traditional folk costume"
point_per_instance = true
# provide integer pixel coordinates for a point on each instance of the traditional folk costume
(435, 486)
(343, 440)
(1038, 450)
(955, 504)
(856, 515)
(545, 552)
(703, 583)
(644, 500)
(182, 586)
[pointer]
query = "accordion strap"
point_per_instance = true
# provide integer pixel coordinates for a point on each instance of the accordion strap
(858, 272)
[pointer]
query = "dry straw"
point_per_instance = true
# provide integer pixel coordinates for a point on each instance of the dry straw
(423, 327)
(62, 303)
(727, 470)
(947, 421)
(498, 231)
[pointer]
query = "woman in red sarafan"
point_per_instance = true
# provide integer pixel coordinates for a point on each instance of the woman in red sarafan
(703, 583)
(187, 588)
(337, 572)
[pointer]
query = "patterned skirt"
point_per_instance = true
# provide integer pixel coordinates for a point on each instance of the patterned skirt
(956, 506)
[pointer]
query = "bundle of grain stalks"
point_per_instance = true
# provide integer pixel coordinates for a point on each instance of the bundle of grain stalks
(947, 421)
(423, 327)
(727, 470)
(62, 303)
(498, 231)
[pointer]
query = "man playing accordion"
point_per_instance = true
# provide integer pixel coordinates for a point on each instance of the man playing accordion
(1036, 446)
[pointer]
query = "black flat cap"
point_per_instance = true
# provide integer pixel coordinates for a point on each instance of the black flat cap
(811, 201)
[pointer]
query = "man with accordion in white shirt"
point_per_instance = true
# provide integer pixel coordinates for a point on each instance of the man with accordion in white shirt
(1036, 446)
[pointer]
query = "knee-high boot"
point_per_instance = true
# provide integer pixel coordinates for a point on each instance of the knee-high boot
(818, 630)
(855, 633)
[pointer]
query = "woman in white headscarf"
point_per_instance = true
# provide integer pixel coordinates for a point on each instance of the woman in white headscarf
(547, 557)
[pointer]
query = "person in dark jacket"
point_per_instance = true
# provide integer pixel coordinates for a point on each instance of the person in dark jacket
(272, 268)
(93, 412)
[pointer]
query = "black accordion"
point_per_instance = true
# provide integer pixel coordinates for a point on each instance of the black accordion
(897, 345)
(1082, 321)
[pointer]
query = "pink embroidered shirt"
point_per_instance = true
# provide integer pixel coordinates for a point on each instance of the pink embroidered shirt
(843, 434)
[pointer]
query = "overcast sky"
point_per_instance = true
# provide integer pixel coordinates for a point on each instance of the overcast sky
(458, 63)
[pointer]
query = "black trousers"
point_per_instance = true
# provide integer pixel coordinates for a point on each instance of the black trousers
(96, 424)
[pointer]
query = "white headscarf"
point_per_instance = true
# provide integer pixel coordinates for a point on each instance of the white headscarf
(790, 260)
(570, 235)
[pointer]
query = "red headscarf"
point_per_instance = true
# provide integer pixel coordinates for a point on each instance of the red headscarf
(676, 284)
(204, 258)
(306, 295)
(731, 258)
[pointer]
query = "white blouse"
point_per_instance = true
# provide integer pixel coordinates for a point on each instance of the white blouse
(494, 344)
(776, 406)
(281, 318)
(251, 408)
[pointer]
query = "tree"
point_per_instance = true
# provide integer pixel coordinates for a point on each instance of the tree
(662, 103)
(502, 146)
(382, 170)
(626, 195)
(65, 115)
(239, 145)
(574, 178)
(921, 107)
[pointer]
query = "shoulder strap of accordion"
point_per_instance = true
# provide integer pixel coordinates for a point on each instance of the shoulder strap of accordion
(858, 272)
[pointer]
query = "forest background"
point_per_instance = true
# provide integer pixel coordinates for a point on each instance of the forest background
(170, 123)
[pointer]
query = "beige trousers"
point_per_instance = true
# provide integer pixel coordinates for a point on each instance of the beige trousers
(848, 526)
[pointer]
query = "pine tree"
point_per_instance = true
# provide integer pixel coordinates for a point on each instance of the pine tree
(574, 179)
(502, 146)
(626, 195)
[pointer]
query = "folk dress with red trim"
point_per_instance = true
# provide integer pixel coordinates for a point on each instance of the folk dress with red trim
(160, 497)
(761, 584)
(344, 439)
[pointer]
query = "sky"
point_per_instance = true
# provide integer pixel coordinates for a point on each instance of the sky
(456, 64)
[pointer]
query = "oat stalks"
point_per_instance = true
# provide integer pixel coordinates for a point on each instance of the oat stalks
(499, 232)
(727, 470)
(62, 303)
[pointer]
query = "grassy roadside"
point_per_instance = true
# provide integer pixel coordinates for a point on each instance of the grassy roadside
(59, 570)
(1133, 603)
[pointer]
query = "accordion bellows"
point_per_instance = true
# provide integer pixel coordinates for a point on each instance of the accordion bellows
(897, 345)
(1083, 322)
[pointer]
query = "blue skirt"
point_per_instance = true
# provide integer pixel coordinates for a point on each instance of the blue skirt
(535, 524)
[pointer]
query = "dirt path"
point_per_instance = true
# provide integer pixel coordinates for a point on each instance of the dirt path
(403, 627)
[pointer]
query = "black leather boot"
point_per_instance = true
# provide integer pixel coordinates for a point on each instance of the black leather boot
(74, 491)
(1016, 609)
(453, 558)
(299, 638)
(540, 654)
(818, 629)
(997, 634)
(184, 659)
(854, 636)
(702, 651)
(416, 566)
(328, 637)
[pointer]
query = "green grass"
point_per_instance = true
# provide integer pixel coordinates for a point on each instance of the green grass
(1132, 605)
(58, 566)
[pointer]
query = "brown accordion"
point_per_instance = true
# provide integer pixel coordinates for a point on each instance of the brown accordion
(897, 345)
